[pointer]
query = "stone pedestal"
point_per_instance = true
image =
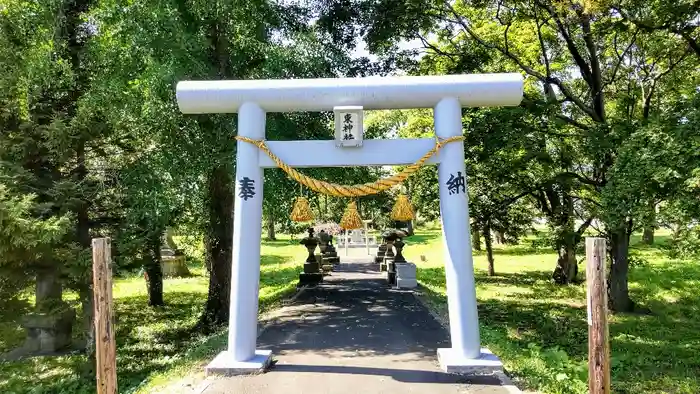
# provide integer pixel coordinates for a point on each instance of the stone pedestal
(312, 268)
(389, 261)
(454, 361)
(405, 275)
(398, 245)
(48, 332)
(310, 278)
(225, 365)
(312, 274)
(391, 272)
(174, 266)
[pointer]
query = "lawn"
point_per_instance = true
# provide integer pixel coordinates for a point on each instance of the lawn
(540, 329)
(153, 344)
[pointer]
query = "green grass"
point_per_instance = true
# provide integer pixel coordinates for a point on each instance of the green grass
(154, 345)
(539, 329)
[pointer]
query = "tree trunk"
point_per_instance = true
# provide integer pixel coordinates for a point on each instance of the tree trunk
(566, 269)
(476, 237)
(271, 228)
(489, 248)
(618, 291)
(409, 227)
(87, 370)
(219, 241)
(154, 272)
(648, 235)
(85, 288)
(49, 290)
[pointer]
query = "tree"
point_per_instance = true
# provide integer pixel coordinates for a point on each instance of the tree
(575, 57)
(27, 243)
(52, 135)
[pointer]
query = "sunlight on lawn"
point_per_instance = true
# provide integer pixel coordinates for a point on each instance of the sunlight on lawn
(539, 329)
(153, 344)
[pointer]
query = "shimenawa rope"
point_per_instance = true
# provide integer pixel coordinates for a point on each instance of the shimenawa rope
(365, 189)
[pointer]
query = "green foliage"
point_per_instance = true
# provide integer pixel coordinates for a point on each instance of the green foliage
(686, 243)
(27, 242)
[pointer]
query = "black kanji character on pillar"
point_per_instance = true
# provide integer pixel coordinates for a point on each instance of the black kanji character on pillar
(455, 183)
(246, 188)
(347, 127)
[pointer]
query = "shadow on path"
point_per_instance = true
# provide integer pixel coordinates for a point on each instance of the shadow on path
(401, 375)
(354, 334)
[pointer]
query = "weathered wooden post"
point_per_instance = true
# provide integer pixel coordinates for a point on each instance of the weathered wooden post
(598, 344)
(105, 343)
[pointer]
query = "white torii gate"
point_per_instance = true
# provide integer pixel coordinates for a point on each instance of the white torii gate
(251, 99)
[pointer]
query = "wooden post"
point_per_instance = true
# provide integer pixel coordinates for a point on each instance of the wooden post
(105, 343)
(598, 343)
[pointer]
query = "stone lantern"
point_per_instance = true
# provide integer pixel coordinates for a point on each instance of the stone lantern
(312, 270)
(392, 236)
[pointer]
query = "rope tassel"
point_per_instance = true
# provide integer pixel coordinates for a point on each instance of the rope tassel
(301, 212)
(403, 210)
(351, 218)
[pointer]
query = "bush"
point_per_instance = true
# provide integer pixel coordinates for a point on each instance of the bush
(686, 243)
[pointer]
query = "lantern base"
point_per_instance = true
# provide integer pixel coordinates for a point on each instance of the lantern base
(306, 279)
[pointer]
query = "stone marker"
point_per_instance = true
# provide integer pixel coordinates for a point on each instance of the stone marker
(406, 275)
(50, 327)
(173, 261)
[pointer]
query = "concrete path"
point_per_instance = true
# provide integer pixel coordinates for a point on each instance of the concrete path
(353, 334)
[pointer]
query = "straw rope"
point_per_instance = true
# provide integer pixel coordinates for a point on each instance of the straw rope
(365, 189)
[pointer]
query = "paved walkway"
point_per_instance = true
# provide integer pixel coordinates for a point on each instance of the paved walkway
(353, 334)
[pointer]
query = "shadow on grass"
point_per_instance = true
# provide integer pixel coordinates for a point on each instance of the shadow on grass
(149, 340)
(664, 285)
(519, 250)
(423, 238)
(271, 259)
(281, 243)
(11, 331)
(540, 329)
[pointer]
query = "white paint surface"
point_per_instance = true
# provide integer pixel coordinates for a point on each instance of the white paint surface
(454, 213)
(398, 92)
(247, 220)
(324, 153)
